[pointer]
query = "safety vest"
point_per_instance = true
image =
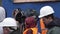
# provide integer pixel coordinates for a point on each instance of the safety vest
(43, 28)
(35, 30)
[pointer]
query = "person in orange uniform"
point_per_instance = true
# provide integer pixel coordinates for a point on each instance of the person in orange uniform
(31, 26)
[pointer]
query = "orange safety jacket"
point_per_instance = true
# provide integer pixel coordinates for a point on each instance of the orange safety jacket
(43, 28)
(35, 30)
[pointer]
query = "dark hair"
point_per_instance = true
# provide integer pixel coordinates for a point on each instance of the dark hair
(51, 15)
(31, 12)
(20, 18)
(19, 9)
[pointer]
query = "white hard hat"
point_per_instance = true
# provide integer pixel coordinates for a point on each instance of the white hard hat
(8, 22)
(2, 14)
(46, 10)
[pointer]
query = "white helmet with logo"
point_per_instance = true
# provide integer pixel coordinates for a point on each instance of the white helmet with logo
(46, 10)
(8, 22)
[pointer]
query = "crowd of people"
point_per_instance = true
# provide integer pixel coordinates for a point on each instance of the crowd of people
(26, 23)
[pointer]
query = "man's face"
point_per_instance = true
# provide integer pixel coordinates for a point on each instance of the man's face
(45, 20)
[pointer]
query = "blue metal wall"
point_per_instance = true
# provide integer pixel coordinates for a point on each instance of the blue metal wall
(10, 6)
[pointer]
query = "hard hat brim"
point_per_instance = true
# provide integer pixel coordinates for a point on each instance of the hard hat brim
(40, 16)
